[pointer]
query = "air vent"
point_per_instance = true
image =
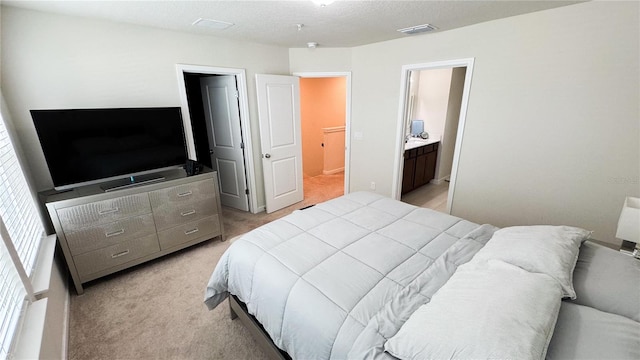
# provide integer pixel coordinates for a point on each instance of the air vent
(214, 24)
(418, 29)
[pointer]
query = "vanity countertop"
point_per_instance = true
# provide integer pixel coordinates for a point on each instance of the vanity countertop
(413, 143)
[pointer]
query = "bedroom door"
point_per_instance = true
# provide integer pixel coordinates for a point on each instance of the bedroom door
(222, 115)
(280, 138)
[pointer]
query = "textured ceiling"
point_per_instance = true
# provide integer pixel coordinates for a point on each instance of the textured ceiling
(341, 24)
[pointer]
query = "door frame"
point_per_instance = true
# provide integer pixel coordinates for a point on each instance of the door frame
(245, 121)
(396, 188)
(347, 120)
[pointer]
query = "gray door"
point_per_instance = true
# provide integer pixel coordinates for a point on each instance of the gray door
(222, 115)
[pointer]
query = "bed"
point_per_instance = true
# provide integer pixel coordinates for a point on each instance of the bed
(367, 277)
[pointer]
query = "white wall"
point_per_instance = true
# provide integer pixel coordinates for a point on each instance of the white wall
(320, 60)
(53, 61)
(432, 101)
(552, 131)
(448, 140)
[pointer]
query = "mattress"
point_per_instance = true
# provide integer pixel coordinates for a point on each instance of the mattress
(363, 262)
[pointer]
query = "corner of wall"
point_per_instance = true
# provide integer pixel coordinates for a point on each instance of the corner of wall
(319, 59)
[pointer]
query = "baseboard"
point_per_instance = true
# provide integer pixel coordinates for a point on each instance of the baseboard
(334, 171)
(441, 180)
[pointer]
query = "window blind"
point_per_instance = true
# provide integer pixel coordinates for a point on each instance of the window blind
(20, 242)
(12, 301)
(17, 207)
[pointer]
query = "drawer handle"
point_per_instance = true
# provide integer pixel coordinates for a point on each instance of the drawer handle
(108, 211)
(192, 231)
(121, 253)
(114, 233)
(187, 213)
(185, 194)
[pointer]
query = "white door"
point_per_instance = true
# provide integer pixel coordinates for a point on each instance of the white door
(222, 115)
(280, 138)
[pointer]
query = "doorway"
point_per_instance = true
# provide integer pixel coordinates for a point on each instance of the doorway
(325, 99)
(434, 100)
(214, 105)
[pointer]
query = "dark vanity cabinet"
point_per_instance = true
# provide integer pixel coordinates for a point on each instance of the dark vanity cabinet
(419, 166)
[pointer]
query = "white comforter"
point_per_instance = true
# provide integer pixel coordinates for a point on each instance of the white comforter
(339, 279)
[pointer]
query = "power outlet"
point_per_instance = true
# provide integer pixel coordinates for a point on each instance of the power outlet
(373, 185)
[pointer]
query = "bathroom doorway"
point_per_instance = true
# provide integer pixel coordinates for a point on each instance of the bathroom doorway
(434, 101)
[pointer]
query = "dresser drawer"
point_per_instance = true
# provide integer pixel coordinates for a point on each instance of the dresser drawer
(114, 255)
(169, 216)
(181, 194)
(189, 231)
(103, 212)
(104, 235)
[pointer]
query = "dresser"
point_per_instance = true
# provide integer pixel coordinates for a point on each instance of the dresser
(104, 232)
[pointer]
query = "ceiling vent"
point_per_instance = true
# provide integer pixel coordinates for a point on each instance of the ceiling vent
(418, 29)
(213, 24)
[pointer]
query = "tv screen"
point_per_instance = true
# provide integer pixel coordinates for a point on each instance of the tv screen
(86, 146)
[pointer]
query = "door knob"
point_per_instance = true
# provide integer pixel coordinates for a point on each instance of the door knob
(210, 151)
(267, 155)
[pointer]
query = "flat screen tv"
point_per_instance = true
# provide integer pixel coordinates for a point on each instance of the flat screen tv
(89, 146)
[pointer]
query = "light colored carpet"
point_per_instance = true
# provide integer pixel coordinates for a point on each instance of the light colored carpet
(156, 311)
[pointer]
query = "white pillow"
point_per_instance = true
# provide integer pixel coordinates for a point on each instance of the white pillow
(551, 250)
(492, 311)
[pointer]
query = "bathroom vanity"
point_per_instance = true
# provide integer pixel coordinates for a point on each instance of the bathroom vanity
(420, 158)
